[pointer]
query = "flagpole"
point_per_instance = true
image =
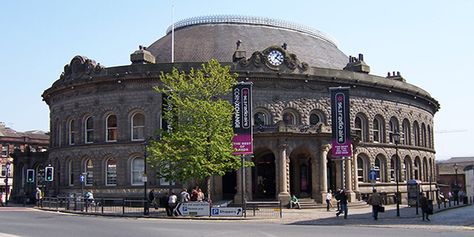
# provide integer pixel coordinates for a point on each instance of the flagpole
(172, 32)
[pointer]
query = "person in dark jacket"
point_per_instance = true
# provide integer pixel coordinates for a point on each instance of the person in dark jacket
(342, 197)
(376, 201)
(425, 208)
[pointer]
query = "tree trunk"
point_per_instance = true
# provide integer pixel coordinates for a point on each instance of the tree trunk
(209, 188)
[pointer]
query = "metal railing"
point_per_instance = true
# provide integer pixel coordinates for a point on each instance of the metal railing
(264, 208)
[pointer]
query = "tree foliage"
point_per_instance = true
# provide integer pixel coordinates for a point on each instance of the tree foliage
(198, 142)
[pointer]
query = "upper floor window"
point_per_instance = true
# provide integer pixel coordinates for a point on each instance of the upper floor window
(138, 167)
(393, 128)
(379, 168)
(360, 128)
(4, 150)
(89, 130)
(423, 135)
(111, 124)
(289, 118)
(72, 132)
(430, 139)
(260, 119)
(138, 127)
(406, 132)
(416, 133)
(377, 129)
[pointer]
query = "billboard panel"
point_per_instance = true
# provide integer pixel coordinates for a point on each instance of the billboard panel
(242, 119)
(341, 123)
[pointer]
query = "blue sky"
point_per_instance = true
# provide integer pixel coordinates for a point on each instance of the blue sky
(430, 42)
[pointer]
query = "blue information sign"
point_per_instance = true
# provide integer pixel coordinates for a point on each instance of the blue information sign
(372, 175)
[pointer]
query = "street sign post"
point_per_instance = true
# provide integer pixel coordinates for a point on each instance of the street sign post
(372, 177)
(193, 209)
(226, 211)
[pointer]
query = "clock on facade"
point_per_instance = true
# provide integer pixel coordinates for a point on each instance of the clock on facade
(275, 57)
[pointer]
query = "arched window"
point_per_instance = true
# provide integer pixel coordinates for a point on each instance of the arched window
(314, 119)
(406, 132)
(360, 127)
(407, 169)
(393, 128)
(416, 168)
(138, 127)
(89, 170)
(377, 129)
(111, 124)
(416, 133)
(289, 118)
(260, 119)
(379, 167)
(111, 172)
(70, 169)
(89, 130)
(362, 168)
(425, 169)
(138, 167)
(430, 139)
(393, 168)
(71, 132)
(423, 134)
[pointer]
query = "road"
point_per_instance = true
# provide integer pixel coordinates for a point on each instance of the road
(19, 221)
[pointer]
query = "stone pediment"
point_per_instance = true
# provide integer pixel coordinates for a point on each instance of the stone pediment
(80, 66)
(273, 58)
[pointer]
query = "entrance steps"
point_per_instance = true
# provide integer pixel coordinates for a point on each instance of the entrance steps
(309, 203)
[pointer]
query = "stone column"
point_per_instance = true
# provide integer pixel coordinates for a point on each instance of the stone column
(323, 180)
(283, 194)
(350, 193)
(238, 195)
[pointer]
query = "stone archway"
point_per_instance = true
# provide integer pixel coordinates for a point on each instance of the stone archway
(300, 174)
(263, 176)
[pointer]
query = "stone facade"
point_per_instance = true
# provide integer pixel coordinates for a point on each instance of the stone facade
(110, 112)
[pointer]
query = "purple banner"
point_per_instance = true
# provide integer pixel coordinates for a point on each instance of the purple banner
(341, 130)
(242, 119)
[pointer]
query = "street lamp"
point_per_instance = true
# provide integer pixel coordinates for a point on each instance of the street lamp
(6, 183)
(146, 209)
(455, 166)
(396, 139)
(456, 186)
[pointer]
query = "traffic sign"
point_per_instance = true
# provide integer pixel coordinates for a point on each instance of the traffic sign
(226, 211)
(82, 178)
(193, 209)
(372, 175)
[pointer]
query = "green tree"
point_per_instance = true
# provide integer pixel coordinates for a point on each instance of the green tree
(198, 141)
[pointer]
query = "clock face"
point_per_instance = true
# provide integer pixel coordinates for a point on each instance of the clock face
(275, 57)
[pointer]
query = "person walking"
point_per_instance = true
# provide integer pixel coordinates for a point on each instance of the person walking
(172, 202)
(328, 200)
(375, 200)
(342, 196)
(425, 207)
(184, 196)
(38, 196)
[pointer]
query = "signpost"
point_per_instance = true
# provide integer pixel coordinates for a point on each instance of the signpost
(372, 177)
(193, 209)
(226, 211)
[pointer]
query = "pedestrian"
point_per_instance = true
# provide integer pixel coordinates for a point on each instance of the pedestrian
(151, 196)
(200, 195)
(38, 196)
(426, 210)
(328, 200)
(343, 203)
(195, 194)
(376, 201)
(1, 199)
(295, 202)
(172, 202)
(338, 202)
(184, 196)
(156, 200)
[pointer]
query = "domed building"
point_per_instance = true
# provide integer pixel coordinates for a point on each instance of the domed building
(102, 116)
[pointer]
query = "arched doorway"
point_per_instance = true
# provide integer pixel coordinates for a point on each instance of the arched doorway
(263, 177)
(229, 185)
(300, 175)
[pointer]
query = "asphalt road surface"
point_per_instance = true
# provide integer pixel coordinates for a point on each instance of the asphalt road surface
(18, 221)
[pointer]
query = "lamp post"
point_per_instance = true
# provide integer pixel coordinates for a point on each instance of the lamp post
(396, 139)
(145, 181)
(7, 175)
(456, 186)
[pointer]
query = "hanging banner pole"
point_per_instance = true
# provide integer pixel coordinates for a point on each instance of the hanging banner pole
(242, 119)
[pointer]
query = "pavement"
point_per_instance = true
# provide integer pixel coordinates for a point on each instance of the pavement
(455, 217)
